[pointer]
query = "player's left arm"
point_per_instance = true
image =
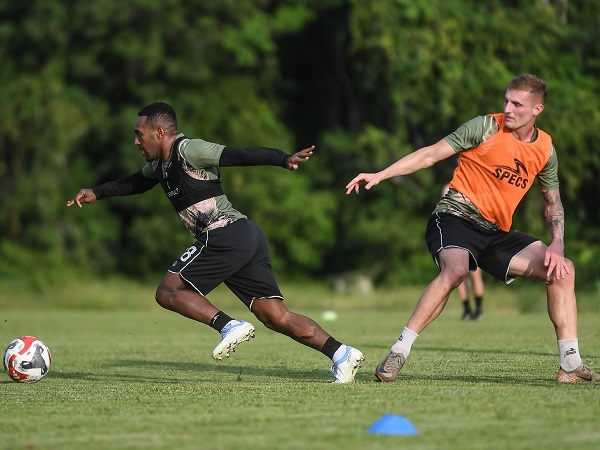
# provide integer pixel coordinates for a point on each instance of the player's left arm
(555, 218)
(201, 153)
(554, 214)
(264, 156)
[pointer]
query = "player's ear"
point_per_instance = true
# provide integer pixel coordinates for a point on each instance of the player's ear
(537, 109)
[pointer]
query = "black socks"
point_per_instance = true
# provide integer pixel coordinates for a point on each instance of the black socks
(219, 321)
(330, 347)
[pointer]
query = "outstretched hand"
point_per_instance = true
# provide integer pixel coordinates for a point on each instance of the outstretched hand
(368, 179)
(83, 196)
(299, 158)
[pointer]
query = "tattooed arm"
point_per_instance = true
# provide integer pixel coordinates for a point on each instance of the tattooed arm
(555, 218)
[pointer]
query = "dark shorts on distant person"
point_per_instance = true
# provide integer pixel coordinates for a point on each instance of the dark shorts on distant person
(237, 255)
(493, 251)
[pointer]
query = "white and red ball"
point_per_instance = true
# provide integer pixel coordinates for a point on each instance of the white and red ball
(27, 359)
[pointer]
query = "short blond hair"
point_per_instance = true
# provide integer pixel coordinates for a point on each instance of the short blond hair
(530, 83)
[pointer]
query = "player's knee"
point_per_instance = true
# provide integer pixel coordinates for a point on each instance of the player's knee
(279, 322)
(453, 275)
(167, 288)
(294, 325)
(273, 322)
(162, 296)
(570, 266)
(569, 277)
(271, 312)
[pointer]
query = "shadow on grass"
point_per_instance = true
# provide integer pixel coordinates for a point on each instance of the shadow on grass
(385, 347)
(483, 350)
(549, 382)
(585, 356)
(154, 371)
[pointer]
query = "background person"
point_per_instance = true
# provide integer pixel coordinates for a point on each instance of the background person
(473, 283)
(500, 155)
(229, 248)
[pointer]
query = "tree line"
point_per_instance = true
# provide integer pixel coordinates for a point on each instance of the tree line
(366, 82)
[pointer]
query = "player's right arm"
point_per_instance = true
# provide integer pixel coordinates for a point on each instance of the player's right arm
(136, 183)
(468, 135)
(417, 160)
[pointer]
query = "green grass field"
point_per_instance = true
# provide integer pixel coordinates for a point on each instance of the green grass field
(144, 379)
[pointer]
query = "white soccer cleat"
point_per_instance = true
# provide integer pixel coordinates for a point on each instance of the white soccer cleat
(345, 368)
(232, 336)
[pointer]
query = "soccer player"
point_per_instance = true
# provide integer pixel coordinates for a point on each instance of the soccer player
(500, 155)
(229, 248)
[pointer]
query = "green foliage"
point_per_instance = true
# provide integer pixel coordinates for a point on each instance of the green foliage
(367, 82)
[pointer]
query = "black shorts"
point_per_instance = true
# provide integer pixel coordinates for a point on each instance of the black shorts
(491, 250)
(237, 255)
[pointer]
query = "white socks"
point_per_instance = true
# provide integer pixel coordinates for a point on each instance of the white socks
(568, 349)
(339, 353)
(405, 342)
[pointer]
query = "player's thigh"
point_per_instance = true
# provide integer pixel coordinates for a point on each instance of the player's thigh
(530, 262)
(171, 282)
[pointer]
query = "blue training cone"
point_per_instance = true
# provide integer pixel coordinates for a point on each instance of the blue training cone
(391, 424)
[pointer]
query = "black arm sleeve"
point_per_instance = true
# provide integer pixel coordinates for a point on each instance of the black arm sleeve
(129, 185)
(259, 156)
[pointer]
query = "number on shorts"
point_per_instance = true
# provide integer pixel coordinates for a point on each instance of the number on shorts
(188, 254)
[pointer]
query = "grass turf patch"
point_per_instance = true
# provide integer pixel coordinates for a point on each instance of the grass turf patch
(146, 380)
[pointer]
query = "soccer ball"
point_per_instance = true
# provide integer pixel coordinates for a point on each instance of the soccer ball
(27, 359)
